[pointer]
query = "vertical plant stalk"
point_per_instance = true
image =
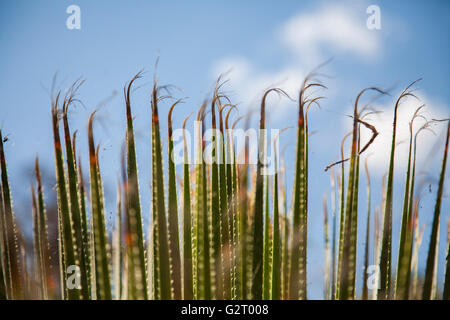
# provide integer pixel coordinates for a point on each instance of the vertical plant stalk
(75, 212)
(174, 241)
(298, 263)
(233, 191)
(137, 271)
(5, 276)
(298, 277)
(378, 220)
(244, 237)
(88, 245)
(277, 262)
(334, 204)
(65, 219)
(354, 221)
(117, 247)
(152, 295)
(286, 256)
(61, 262)
(207, 231)
(446, 294)
(341, 215)
(258, 220)
(238, 201)
(102, 269)
(345, 285)
(267, 256)
(202, 271)
(226, 218)
(40, 281)
(430, 272)
(188, 291)
(347, 272)
(43, 244)
(197, 244)
(326, 291)
(216, 210)
(160, 214)
(24, 265)
(414, 221)
(365, 290)
(155, 237)
(386, 245)
(406, 235)
(13, 277)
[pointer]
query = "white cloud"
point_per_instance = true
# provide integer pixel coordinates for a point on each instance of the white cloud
(330, 29)
(333, 28)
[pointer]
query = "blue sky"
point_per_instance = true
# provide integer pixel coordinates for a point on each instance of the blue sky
(265, 44)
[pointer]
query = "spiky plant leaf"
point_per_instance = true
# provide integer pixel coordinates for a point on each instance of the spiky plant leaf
(326, 289)
(297, 281)
(5, 244)
(65, 220)
(117, 247)
(267, 248)
(174, 242)
(226, 218)
(430, 271)
(88, 245)
(341, 215)
(406, 235)
(446, 295)
(365, 290)
(347, 272)
(334, 204)
(10, 232)
(202, 273)
(230, 196)
(43, 249)
(75, 210)
(134, 234)
(102, 268)
(258, 219)
(5, 274)
(243, 230)
(216, 214)
(188, 290)
(386, 246)
(276, 245)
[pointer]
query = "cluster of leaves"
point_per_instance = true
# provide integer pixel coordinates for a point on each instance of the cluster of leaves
(231, 246)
